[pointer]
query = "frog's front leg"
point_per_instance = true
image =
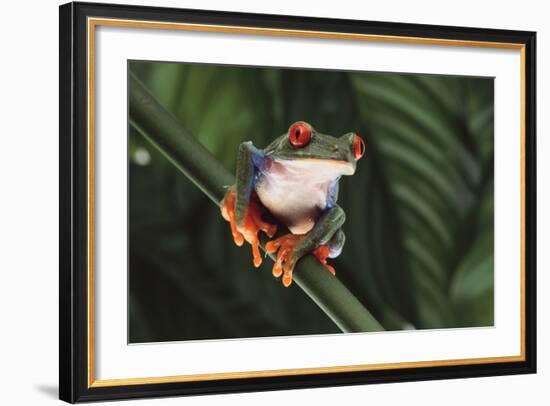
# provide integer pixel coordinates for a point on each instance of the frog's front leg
(240, 205)
(324, 240)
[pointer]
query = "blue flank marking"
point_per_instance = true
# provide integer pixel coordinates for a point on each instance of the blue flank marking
(259, 160)
(332, 194)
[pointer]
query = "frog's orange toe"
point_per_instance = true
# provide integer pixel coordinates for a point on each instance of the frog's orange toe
(321, 253)
(228, 213)
(285, 260)
(255, 211)
(251, 225)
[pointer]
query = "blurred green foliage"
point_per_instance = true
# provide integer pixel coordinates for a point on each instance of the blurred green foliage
(419, 250)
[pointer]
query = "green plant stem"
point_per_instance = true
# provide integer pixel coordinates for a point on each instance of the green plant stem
(163, 130)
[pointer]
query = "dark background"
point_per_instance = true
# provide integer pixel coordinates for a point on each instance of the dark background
(419, 250)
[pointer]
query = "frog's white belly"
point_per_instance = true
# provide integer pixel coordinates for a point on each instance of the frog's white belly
(296, 192)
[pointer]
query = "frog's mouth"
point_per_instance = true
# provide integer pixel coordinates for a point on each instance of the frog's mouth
(333, 165)
(317, 169)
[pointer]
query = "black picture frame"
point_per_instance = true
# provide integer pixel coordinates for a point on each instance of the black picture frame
(73, 285)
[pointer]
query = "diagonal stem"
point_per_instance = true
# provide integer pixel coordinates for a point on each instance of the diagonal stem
(179, 146)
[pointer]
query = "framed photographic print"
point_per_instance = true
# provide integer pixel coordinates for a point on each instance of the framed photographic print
(254, 202)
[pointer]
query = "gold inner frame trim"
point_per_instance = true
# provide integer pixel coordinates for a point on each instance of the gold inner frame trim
(94, 22)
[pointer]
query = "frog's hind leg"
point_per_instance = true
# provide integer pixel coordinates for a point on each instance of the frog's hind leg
(330, 250)
(250, 226)
(242, 208)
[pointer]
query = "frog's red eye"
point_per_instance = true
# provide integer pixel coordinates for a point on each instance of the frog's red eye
(299, 134)
(358, 147)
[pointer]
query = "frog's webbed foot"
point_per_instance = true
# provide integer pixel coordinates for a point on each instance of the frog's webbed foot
(322, 253)
(290, 249)
(286, 248)
(325, 240)
(251, 225)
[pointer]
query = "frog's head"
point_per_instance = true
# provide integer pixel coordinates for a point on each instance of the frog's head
(303, 143)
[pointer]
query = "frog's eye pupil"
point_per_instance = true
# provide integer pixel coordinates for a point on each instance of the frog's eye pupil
(299, 134)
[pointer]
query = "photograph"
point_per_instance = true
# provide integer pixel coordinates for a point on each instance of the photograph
(385, 179)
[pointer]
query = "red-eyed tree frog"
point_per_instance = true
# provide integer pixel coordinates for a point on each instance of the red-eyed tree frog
(295, 178)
